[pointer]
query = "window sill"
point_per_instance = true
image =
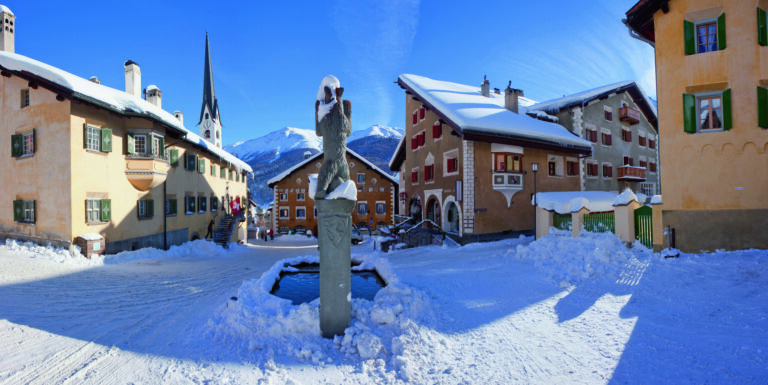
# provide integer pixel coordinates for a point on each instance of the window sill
(96, 223)
(25, 156)
(555, 176)
(453, 173)
(170, 215)
(201, 212)
(28, 223)
(96, 152)
(188, 213)
(705, 131)
(145, 218)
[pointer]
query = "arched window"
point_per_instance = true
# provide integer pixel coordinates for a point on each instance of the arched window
(208, 134)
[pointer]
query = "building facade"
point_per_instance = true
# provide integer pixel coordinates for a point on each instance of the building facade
(620, 122)
(711, 78)
(294, 209)
(85, 159)
(466, 159)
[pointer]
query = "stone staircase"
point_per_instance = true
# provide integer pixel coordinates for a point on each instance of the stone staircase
(226, 227)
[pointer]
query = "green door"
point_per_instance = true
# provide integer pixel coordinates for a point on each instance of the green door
(644, 226)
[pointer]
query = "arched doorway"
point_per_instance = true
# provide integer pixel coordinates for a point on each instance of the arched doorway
(433, 211)
(414, 209)
(452, 218)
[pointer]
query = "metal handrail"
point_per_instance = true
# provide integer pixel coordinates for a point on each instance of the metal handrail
(418, 225)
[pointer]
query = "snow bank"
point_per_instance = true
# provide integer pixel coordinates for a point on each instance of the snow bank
(258, 320)
(566, 261)
(566, 202)
(192, 249)
(49, 253)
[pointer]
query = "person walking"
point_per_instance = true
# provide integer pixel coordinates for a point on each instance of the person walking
(210, 230)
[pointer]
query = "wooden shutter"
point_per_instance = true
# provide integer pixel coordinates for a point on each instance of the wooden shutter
(689, 114)
(85, 135)
(150, 208)
(18, 210)
(34, 140)
(161, 150)
(762, 28)
(174, 155)
(106, 140)
(690, 37)
(727, 116)
(34, 211)
(762, 107)
(17, 145)
(201, 166)
(130, 144)
(106, 210)
(721, 32)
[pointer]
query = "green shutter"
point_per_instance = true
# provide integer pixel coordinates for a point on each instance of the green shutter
(18, 210)
(150, 208)
(689, 113)
(106, 210)
(727, 116)
(34, 211)
(34, 140)
(17, 145)
(161, 150)
(762, 107)
(174, 208)
(106, 140)
(174, 155)
(85, 135)
(762, 28)
(201, 166)
(130, 145)
(721, 32)
(690, 37)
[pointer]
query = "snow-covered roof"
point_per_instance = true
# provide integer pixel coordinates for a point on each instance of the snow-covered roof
(6, 10)
(471, 112)
(565, 202)
(287, 172)
(113, 99)
(584, 97)
(400, 149)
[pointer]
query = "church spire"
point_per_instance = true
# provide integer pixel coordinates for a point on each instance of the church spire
(210, 121)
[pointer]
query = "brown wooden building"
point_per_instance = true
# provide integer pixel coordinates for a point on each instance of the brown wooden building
(465, 159)
(294, 209)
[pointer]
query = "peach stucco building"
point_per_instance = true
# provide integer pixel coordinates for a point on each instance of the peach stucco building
(86, 160)
(711, 74)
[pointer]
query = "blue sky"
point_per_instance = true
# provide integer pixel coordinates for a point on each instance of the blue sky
(269, 57)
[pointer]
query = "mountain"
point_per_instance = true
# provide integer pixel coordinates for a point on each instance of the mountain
(279, 150)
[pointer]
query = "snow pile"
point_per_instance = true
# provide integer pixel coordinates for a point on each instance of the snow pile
(259, 321)
(567, 261)
(625, 198)
(193, 249)
(49, 253)
(566, 202)
(323, 109)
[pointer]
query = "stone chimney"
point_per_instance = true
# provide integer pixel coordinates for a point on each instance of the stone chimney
(511, 96)
(179, 116)
(154, 95)
(95, 80)
(132, 78)
(485, 88)
(7, 29)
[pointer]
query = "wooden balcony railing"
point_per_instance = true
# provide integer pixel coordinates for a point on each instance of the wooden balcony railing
(629, 115)
(630, 173)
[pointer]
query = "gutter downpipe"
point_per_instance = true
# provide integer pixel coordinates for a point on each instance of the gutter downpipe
(633, 34)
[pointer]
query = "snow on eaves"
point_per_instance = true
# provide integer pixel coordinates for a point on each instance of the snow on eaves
(566, 202)
(112, 99)
(473, 112)
(554, 105)
(287, 172)
(6, 10)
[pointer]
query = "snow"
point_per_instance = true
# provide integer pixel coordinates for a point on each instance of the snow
(113, 99)
(323, 109)
(585, 310)
(376, 130)
(91, 236)
(471, 111)
(554, 105)
(355, 155)
(656, 200)
(625, 198)
(566, 202)
(6, 10)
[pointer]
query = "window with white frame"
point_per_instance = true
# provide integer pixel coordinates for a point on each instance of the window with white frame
(24, 97)
(362, 208)
(92, 210)
(155, 145)
(451, 162)
(28, 143)
(301, 212)
(648, 188)
(555, 165)
(29, 210)
(381, 208)
(607, 170)
(360, 178)
(140, 144)
(283, 196)
(300, 196)
(283, 213)
(93, 138)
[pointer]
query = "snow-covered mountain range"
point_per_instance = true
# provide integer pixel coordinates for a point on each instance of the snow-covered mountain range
(272, 153)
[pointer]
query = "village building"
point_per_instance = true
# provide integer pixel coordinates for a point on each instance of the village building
(713, 115)
(86, 162)
(466, 161)
(293, 209)
(620, 122)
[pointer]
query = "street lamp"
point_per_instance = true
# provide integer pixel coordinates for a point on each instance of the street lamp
(535, 169)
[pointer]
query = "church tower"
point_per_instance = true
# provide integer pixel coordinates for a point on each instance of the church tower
(7, 29)
(210, 120)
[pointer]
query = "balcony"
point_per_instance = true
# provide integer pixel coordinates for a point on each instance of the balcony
(629, 115)
(630, 173)
(508, 184)
(146, 172)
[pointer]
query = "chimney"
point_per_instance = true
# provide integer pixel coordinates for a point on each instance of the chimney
(95, 80)
(132, 78)
(179, 116)
(485, 88)
(511, 96)
(307, 154)
(7, 29)
(154, 95)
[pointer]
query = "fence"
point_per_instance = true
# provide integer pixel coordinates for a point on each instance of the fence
(562, 221)
(600, 222)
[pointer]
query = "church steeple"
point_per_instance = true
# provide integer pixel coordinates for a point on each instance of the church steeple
(210, 120)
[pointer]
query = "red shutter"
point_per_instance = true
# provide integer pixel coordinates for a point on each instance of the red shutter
(653, 166)
(651, 143)
(437, 131)
(415, 118)
(422, 113)
(631, 162)
(414, 176)
(421, 137)
(414, 143)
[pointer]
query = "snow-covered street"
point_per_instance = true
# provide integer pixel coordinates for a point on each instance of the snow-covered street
(558, 310)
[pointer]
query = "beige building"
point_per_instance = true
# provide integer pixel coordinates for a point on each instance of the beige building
(711, 74)
(294, 209)
(466, 159)
(88, 160)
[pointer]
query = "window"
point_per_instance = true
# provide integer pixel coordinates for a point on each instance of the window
(641, 141)
(283, 212)
(97, 138)
(171, 208)
(201, 165)
(422, 113)
(418, 140)
(429, 173)
(283, 196)
(202, 204)
(643, 164)
(98, 210)
(607, 170)
(28, 143)
(24, 210)
(437, 130)
(189, 204)
(361, 178)
(551, 168)
(24, 97)
(507, 162)
(608, 113)
(607, 138)
(145, 208)
(451, 162)
(415, 176)
(415, 117)
(229, 174)
(301, 213)
(628, 161)
(213, 170)
(626, 135)
(555, 166)
(214, 203)
(190, 162)
(762, 27)
(591, 135)
(651, 143)
(572, 167)
(156, 145)
(707, 112)
(652, 166)
(173, 157)
(222, 172)
(592, 169)
(648, 188)
(140, 144)
(705, 35)
(362, 208)
(299, 196)
(381, 208)
(710, 111)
